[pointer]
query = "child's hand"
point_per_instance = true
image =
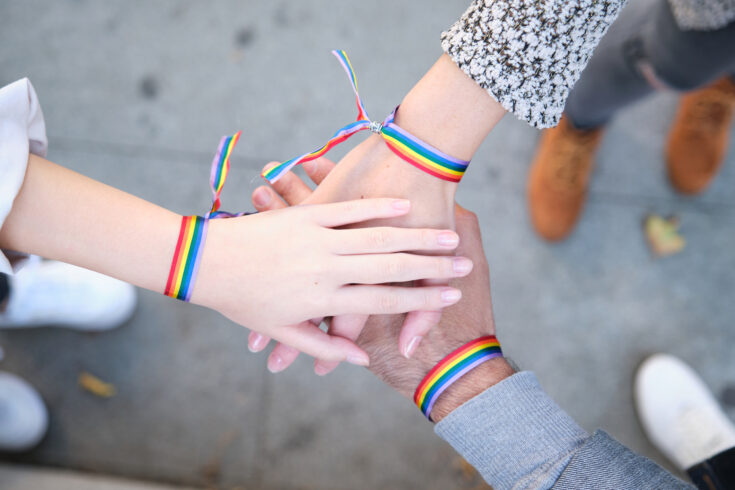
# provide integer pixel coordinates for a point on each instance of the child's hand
(274, 271)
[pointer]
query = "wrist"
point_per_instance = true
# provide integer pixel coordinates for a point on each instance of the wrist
(470, 385)
(449, 110)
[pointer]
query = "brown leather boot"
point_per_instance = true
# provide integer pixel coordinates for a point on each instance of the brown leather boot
(699, 137)
(557, 183)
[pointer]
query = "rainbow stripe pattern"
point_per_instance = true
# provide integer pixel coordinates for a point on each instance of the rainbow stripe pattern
(411, 149)
(220, 169)
(193, 231)
(453, 367)
(187, 256)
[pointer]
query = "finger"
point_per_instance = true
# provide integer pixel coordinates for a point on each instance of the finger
(281, 357)
(265, 199)
(290, 187)
(386, 300)
(415, 327)
(309, 339)
(384, 239)
(400, 267)
(257, 342)
(418, 323)
(346, 326)
(318, 169)
(348, 212)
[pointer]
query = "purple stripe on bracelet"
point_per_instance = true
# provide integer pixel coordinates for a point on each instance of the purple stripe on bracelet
(458, 375)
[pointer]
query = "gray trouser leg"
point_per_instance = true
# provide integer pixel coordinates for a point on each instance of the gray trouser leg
(646, 33)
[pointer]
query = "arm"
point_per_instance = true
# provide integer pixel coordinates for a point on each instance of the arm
(252, 270)
(521, 57)
(503, 423)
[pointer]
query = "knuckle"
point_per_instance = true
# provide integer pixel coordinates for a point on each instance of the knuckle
(428, 297)
(350, 207)
(394, 267)
(427, 238)
(388, 302)
(378, 238)
(442, 267)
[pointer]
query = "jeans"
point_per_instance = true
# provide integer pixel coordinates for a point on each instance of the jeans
(646, 37)
(716, 473)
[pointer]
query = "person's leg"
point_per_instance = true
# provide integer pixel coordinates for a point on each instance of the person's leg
(700, 136)
(643, 50)
(716, 473)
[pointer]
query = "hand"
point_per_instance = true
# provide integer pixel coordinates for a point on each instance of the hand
(274, 271)
(460, 323)
(451, 112)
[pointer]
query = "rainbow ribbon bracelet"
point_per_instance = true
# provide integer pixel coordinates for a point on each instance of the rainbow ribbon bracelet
(411, 149)
(193, 231)
(453, 367)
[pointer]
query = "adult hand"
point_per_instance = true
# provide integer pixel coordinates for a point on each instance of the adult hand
(451, 112)
(460, 323)
(274, 271)
(294, 191)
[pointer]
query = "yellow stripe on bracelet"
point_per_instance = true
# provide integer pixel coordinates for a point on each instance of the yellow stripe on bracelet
(451, 368)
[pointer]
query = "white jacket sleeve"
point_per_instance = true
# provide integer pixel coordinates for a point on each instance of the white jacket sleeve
(22, 131)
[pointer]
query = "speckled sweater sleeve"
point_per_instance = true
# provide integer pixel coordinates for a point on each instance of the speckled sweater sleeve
(529, 53)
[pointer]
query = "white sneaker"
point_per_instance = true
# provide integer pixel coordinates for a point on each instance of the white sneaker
(23, 416)
(55, 293)
(679, 413)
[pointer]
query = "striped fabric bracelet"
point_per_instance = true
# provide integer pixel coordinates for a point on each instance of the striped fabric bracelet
(409, 148)
(193, 231)
(458, 363)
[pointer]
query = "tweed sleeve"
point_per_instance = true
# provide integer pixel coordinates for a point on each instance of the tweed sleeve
(529, 53)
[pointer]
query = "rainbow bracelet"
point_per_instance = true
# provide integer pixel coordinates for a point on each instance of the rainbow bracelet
(453, 367)
(193, 231)
(411, 149)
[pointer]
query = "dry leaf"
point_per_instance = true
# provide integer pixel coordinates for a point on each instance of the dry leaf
(96, 386)
(662, 235)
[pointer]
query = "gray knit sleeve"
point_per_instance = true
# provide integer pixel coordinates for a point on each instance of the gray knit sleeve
(529, 53)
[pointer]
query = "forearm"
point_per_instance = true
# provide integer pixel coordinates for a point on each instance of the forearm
(449, 110)
(62, 215)
(517, 437)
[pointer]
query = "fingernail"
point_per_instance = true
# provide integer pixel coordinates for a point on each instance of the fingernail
(275, 364)
(412, 346)
(358, 359)
(462, 265)
(402, 204)
(320, 369)
(269, 166)
(262, 197)
(451, 296)
(257, 343)
(448, 239)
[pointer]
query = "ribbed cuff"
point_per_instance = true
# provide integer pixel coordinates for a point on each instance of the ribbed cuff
(514, 434)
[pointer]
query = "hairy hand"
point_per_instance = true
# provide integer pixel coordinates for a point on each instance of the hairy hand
(460, 324)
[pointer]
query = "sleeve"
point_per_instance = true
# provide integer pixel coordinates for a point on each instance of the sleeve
(529, 53)
(517, 437)
(22, 131)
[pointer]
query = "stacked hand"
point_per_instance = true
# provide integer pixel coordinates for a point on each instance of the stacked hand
(320, 269)
(460, 324)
